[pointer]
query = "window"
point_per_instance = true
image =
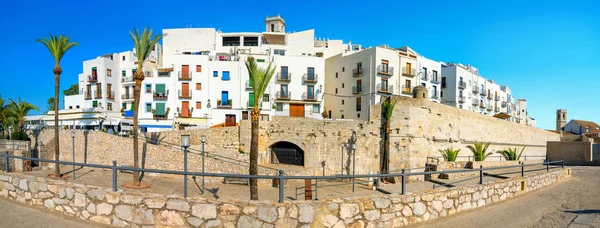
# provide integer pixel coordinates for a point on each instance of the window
(123, 73)
(279, 52)
(359, 67)
(342, 85)
(310, 92)
(260, 60)
(343, 69)
(284, 91)
(109, 106)
(336, 74)
(384, 66)
(70, 107)
(198, 68)
(231, 41)
(342, 101)
(250, 41)
(108, 72)
(358, 104)
(94, 72)
(310, 73)
(215, 73)
(442, 93)
(336, 90)
(198, 104)
(265, 98)
(359, 86)
(244, 115)
(284, 72)
(123, 58)
(225, 76)
(316, 108)
(94, 104)
(148, 107)
(77, 106)
(358, 115)
(264, 117)
(272, 27)
(148, 88)
(124, 106)
(279, 107)
(198, 86)
(342, 116)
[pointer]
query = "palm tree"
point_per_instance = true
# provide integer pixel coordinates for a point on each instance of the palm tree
(144, 44)
(479, 151)
(449, 154)
(260, 79)
(3, 115)
(512, 154)
(50, 104)
(58, 46)
(387, 108)
(17, 112)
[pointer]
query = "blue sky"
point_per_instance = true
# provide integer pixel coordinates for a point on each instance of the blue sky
(547, 52)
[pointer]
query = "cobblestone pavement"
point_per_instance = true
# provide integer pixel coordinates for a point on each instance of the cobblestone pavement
(573, 202)
(23, 216)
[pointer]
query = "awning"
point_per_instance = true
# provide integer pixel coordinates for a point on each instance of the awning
(165, 69)
(274, 38)
(502, 115)
(194, 121)
(128, 113)
(160, 88)
(160, 109)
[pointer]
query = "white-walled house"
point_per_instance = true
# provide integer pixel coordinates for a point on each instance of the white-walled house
(580, 127)
(430, 77)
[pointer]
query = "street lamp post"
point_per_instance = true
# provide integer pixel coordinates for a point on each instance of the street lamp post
(353, 146)
(203, 140)
(343, 145)
(185, 143)
(73, 146)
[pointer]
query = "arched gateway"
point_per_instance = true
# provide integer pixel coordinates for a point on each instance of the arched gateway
(286, 153)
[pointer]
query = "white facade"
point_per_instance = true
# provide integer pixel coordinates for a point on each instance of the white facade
(430, 77)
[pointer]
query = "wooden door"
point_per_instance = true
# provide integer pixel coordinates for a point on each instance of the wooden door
(229, 120)
(297, 110)
(185, 106)
(408, 69)
(185, 71)
(185, 89)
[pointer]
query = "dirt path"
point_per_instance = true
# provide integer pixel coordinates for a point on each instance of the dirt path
(565, 204)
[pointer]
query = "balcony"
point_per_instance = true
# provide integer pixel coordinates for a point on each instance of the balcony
(385, 70)
(248, 84)
(159, 117)
(356, 89)
(226, 104)
(435, 79)
(462, 85)
(308, 97)
(489, 107)
(111, 95)
(285, 77)
(496, 98)
(126, 96)
(98, 95)
(186, 115)
(461, 99)
(476, 102)
(503, 103)
(490, 97)
(88, 95)
(92, 78)
(185, 94)
(496, 109)
(127, 80)
(435, 96)
(424, 77)
(406, 90)
(162, 96)
(385, 89)
(185, 76)
(409, 72)
(357, 73)
(310, 78)
(476, 89)
(283, 96)
(164, 74)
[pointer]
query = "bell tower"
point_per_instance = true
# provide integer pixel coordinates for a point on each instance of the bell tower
(561, 119)
(275, 24)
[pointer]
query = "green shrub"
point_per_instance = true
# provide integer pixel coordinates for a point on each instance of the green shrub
(479, 151)
(512, 154)
(450, 154)
(19, 135)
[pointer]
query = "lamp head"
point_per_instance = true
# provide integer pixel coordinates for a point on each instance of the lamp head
(185, 141)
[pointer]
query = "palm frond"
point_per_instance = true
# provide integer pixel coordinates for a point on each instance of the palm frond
(450, 154)
(260, 78)
(57, 45)
(388, 108)
(479, 151)
(144, 43)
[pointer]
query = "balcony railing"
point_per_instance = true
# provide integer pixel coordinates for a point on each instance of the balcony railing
(186, 115)
(410, 72)
(159, 117)
(164, 74)
(224, 104)
(184, 94)
(356, 89)
(462, 85)
(435, 79)
(92, 78)
(161, 95)
(98, 94)
(424, 77)
(476, 89)
(127, 79)
(407, 90)
(357, 72)
(385, 89)
(283, 96)
(496, 98)
(88, 95)
(285, 77)
(111, 95)
(475, 102)
(503, 103)
(248, 85)
(435, 96)
(385, 70)
(489, 96)
(309, 97)
(461, 99)
(185, 77)
(310, 78)
(489, 107)
(496, 109)
(126, 96)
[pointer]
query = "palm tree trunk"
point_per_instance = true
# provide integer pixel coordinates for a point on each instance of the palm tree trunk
(56, 141)
(254, 153)
(136, 104)
(386, 152)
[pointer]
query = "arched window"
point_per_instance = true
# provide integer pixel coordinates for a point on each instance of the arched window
(287, 153)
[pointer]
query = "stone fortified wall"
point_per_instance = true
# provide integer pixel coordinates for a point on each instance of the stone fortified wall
(125, 209)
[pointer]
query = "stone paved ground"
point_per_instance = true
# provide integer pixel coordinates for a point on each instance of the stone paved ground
(574, 202)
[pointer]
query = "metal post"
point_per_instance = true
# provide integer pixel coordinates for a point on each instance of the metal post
(522, 169)
(548, 166)
(353, 167)
(6, 163)
(316, 189)
(376, 180)
(562, 162)
(202, 167)
(185, 170)
(469, 158)
(480, 174)
(342, 160)
(281, 186)
(114, 176)
(403, 182)
(73, 155)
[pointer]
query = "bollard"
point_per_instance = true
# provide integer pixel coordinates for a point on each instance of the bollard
(185, 176)
(522, 169)
(316, 189)
(562, 162)
(308, 189)
(480, 174)
(114, 176)
(548, 166)
(281, 186)
(7, 166)
(377, 180)
(403, 182)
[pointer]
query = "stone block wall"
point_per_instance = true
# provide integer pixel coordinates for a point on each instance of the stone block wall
(15, 144)
(574, 153)
(124, 209)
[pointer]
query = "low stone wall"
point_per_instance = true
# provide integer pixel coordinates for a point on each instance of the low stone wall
(14, 164)
(126, 209)
(477, 164)
(15, 144)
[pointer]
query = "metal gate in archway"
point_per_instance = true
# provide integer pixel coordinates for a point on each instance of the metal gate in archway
(287, 153)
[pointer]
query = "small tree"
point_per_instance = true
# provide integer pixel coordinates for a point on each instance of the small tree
(73, 90)
(512, 154)
(450, 154)
(479, 151)
(387, 108)
(50, 104)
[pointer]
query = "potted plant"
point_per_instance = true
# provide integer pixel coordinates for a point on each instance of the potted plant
(450, 154)
(229, 102)
(479, 151)
(512, 154)
(218, 102)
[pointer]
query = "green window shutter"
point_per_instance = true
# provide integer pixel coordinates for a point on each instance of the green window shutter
(132, 106)
(251, 100)
(148, 107)
(160, 88)
(123, 73)
(160, 109)
(124, 105)
(93, 68)
(251, 82)
(94, 104)
(260, 60)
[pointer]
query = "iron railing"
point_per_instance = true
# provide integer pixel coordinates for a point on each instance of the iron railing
(385, 70)
(462, 85)
(357, 72)
(184, 77)
(280, 177)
